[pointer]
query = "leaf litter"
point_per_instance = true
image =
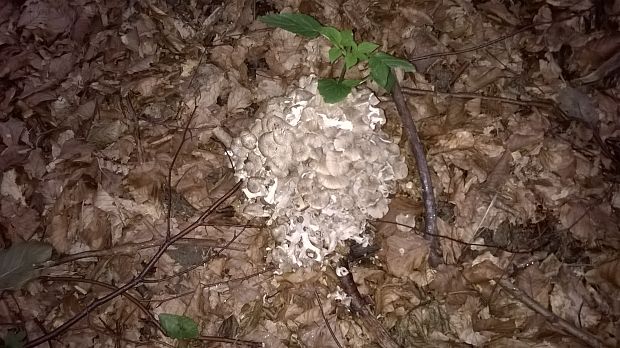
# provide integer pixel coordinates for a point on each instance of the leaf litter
(521, 135)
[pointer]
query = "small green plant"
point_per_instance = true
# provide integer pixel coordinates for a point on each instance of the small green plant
(14, 339)
(344, 47)
(178, 326)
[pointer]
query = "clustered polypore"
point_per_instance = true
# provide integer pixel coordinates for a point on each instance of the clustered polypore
(317, 171)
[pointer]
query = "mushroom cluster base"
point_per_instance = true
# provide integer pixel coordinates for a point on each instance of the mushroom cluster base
(317, 171)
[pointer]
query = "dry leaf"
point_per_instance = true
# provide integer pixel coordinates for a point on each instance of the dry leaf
(404, 253)
(21, 222)
(482, 272)
(17, 263)
(608, 271)
(10, 188)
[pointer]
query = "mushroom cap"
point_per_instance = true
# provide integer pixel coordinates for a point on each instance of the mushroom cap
(317, 171)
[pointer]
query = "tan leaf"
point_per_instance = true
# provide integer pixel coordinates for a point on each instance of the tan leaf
(11, 131)
(268, 86)
(50, 16)
(60, 67)
(105, 132)
(608, 271)
(570, 305)
(500, 11)
(60, 234)
(95, 227)
(239, 98)
(10, 188)
(482, 272)
(21, 222)
(535, 284)
(35, 166)
(404, 253)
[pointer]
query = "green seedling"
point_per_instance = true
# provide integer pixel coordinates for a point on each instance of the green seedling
(14, 339)
(343, 47)
(178, 326)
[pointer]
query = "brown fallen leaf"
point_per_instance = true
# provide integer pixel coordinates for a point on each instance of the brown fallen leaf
(21, 222)
(608, 271)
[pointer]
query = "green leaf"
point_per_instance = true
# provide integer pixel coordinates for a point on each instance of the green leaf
(366, 47)
(178, 326)
(347, 39)
(350, 60)
(332, 34)
(297, 23)
(379, 71)
(15, 339)
(392, 61)
(381, 65)
(334, 91)
(361, 57)
(334, 54)
(17, 263)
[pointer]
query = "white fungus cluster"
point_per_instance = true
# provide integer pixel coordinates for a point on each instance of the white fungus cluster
(317, 171)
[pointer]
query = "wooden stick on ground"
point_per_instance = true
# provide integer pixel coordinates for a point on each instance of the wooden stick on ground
(428, 195)
(359, 307)
(553, 319)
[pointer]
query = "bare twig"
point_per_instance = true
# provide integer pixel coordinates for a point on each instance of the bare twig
(428, 195)
(171, 167)
(127, 295)
(358, 306)
(204, 260)
(458, 241)
(553, 319)
(131, 248)
(538, 103)
(138, 133)
(229, 340)
(331, 331)
(240, 279)
(136, 280)
(494, 41)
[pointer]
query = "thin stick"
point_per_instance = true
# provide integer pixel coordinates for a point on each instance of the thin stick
(171, 167)
(193, 267)
(358, 306)
(240, 279)
(552, 318)
(458, 241)
(128, 296)
(494, 41)
(539, 103)
(331, 331)
(428, 195)
(234, 341)
(136, 280)
(131, 248)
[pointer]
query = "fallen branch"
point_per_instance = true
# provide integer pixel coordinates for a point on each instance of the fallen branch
(128, 296)
(359, 307)
(329, 327)
(496, 40)
(540, 103)
(553, 319)
(132, 248)
(136, 280)
(428, 195)
(549, 104)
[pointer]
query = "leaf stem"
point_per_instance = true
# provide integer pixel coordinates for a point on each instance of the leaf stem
(342, 72)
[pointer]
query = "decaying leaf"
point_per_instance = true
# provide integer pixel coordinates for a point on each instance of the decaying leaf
(95, 97)
(18, 261)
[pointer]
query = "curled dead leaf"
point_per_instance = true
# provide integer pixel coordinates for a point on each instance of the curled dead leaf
(482, 272)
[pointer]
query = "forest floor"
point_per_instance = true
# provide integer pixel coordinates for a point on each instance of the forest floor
(107, 112)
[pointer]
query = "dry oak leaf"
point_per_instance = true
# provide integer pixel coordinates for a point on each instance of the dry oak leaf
(50, 18)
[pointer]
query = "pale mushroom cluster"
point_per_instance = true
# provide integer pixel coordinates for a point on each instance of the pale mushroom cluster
(317, 171)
